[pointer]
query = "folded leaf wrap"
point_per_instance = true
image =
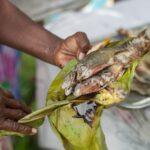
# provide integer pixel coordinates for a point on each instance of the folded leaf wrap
(76, 120)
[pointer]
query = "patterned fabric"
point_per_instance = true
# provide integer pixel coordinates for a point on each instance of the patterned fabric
(5, 143)
(8, 69)
(8, 80)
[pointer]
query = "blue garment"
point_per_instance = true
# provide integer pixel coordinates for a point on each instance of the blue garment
(97, 4)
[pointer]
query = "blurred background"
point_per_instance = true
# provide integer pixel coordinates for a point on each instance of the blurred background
(29, 78)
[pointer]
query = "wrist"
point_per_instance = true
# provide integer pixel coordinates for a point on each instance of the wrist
(53, 51)
(48, 47)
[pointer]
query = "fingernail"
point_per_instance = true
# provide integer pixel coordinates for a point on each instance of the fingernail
(81, 56)
(34, 131)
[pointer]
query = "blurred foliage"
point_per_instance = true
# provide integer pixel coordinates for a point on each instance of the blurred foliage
(27, 81)
(27, 78)
(26, 143)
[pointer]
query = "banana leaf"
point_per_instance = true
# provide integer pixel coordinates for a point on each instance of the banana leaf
(75, 130)
(8, 133)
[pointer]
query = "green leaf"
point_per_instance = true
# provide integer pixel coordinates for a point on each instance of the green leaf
(126, 80)
(36, 118)
(73, 131)
(9, 133)
(119, 43)
(55, 92)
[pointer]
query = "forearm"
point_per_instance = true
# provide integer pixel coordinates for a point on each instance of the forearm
(18, 31)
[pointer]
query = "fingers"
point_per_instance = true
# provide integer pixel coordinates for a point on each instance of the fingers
(10, 125)
(80, 55)
(82, 41)
(12, 103)
(75, 46)
(8, 94)
(14, 114)
(25, 108)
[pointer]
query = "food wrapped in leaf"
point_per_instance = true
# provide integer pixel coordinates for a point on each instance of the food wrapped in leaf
(141, 81)
(82, 89)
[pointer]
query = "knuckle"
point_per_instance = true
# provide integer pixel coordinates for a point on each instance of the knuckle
(2, 109)
(22, 128)
(5, 113)
(81, 35)
(25, 108)
(1, 124)
(17, 103)
(17, 114)
(17, 127)
(20, 113)
(25, 129)
(9, 125)
(9, 94)
(14, 126)
(1, 91)
(82, 39)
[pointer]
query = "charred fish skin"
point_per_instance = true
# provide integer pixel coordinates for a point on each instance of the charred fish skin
(141, 81)
(121, 62)
(93, 84)
(117, 60)
(98, 82)
(88, 67)
(92, 64)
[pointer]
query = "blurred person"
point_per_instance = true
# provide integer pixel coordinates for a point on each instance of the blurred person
(20, 32)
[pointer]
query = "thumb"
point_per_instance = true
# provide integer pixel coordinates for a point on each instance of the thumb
(80, 54)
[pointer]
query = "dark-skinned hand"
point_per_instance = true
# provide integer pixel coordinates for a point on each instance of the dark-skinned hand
(75, 46)
(11, 111)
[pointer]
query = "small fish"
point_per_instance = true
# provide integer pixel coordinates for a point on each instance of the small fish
(103, 66)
